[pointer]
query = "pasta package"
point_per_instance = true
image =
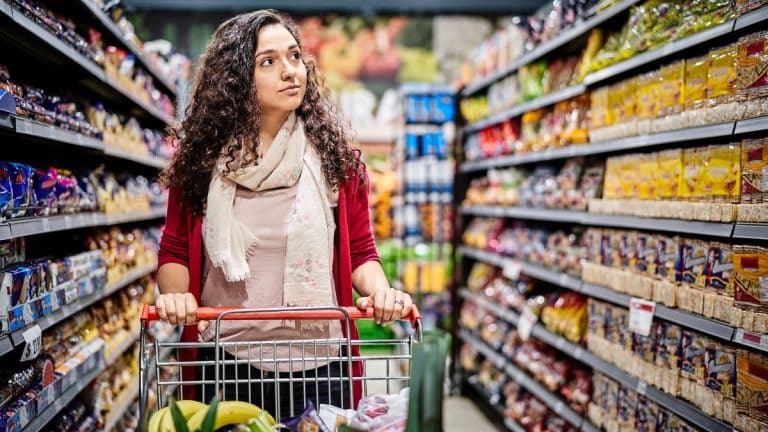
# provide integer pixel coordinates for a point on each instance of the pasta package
(693, 256)
(752, 384)
(721, 369)
(721, 74)
(750, 266)
(669, 339)
(669, 176)
(720, 269)
(723, 173)
(667, 256)
(752, 73)
(754, 170)
(693, 362)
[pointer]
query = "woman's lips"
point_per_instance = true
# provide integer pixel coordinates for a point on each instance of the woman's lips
(291, 91)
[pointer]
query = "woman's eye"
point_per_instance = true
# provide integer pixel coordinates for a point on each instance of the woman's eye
(296, 56)
(266, 62)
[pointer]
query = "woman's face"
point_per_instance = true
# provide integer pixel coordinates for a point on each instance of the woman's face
(280, 76)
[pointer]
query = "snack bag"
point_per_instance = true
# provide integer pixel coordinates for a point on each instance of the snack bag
(721, 84)
(309, 420)
(694, 254)
(752, 384)
(646, 173)
(721, 369)
(754, 170)
(723, 174)
(693, 173)
(6, 191)
(648, 92)
(696, 70)
(752, 72)
(670, 173)
(668, 258)
(693, 365)
(672, 88)
(21, 180)
(720, 269)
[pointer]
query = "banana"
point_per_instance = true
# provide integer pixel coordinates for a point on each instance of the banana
(188, 408)
(154, 421)
(228, 413)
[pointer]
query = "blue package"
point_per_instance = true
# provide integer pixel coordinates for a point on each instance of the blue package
(442, 105)
(411, 146)
(87, 192)
(21, 177)
(441, 148)
(422, 108)
(6, 191)
(44, 191)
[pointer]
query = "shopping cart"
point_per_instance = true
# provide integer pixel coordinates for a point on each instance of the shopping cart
(230, 369)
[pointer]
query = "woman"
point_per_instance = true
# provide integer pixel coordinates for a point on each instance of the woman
(268, 208)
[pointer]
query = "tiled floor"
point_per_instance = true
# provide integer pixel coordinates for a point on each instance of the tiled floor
(462, 415)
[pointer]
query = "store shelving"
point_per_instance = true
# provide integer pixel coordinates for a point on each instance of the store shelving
(757, 232)
(710, 229)
(108, 24)
(720, 130)
(59, 48)
(43, 225)
(522, 378)
(561, 39)
(8, 341)
(150, 161)
(121, 404)
(679, 407)
(48, 414)
(521, 109)
(701, 323)
(498, 409)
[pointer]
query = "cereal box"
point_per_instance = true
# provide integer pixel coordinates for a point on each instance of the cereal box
(667, 257)
(694, 262)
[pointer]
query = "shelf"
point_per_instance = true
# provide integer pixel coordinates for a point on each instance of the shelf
(33, 128)
(610, 146)
(523, 108)
(662, 52)
(703, 324)
(74, 56)
(750, 232)
(679, 407)
(498, 409)
(751, 340)
(112, 28)
(8, 341)
(535, 388)
(122, 348)
(757, 124)
(565, 216)
(63, 400)
(122, 404)
(150, 161)
(561, 39)
(755, 17)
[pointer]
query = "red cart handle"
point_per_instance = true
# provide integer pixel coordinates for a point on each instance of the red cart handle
(149, 313)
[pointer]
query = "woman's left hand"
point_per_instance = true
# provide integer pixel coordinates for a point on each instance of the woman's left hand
(388, 305)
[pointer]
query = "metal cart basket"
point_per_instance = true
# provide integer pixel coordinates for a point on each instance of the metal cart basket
(275, 374)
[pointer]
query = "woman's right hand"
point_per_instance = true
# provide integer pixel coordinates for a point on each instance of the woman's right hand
(177, 308)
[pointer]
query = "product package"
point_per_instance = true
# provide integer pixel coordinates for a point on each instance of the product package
(750, 275)
(721, 369)
(752, 384)
(754, 174)
(752, 74)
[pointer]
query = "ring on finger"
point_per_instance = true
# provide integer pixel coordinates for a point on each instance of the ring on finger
(400, 302)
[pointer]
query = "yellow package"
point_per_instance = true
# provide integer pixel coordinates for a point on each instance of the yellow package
(629, 107)
(672, 88)
(693, 171)
(616, 104)
(669, 175)
(612, 183)
(723, 175)
(721, 74)
(696, 82)
(754, 170)
(647, 95)
(646, 173)
(628, 175)
(598, 107)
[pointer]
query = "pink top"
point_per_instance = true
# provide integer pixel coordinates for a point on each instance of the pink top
(265, 213)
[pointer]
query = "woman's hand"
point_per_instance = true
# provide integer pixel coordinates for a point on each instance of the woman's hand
(388, 305)
(177, 308)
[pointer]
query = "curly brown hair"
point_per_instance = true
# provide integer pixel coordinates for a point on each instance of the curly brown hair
(218, 115)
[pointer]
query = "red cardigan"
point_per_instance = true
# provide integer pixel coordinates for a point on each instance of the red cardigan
(182, 243)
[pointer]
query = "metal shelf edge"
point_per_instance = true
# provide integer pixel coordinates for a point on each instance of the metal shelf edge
(33, 128)
(745, 231)
(150, 161)
(756, 16)
(755, 124)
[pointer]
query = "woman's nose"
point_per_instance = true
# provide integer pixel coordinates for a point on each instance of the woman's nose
(289, 71)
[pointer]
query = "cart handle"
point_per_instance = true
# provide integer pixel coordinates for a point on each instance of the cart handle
(149, 313)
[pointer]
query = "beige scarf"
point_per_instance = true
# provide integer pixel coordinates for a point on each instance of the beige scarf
(309, 246)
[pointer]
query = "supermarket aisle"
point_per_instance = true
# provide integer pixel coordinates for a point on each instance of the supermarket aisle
(461, 415)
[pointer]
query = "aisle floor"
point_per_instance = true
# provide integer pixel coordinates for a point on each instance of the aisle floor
(462, 415)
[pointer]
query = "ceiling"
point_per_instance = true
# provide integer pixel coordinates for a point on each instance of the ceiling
(361, 7)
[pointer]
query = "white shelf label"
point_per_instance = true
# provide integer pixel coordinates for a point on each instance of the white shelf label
(512, 269)
(641, 316)
(33, 343)
(525, 324)
(641, 387)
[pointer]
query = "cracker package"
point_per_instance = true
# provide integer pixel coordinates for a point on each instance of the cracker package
(611, 324)
(596, 312)
(692, 364)
(721, 369)
(598, 108)
(752, 384)
(669, 339)
(752, 73)
(626, 402)
(723, 174)
(672, 88)
(669, 176)
(750, 267)
(721, 74)
(645, 346)
(645, 247)
(645, 415)
(606, 248)
(754, 170)
(694, 262)
(622, 325)
(593, 239)
(628, 175)
(667, 257)
(695, 82)
(720, 269)
(646, 172)
(626, 245)
(648, 86)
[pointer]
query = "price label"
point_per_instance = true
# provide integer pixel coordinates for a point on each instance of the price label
(33, 343)
(512, 269)
(525, 324)
(641, 316)
(55, 303)
(641, 387)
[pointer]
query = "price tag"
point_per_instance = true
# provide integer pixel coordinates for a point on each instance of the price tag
(641, 387)
(512, 269)
(753, 339)
(55, 303)
(641, 316)
(525, 324)
(33, 342)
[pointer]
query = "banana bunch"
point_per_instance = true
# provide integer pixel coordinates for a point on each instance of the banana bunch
(193, 416)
